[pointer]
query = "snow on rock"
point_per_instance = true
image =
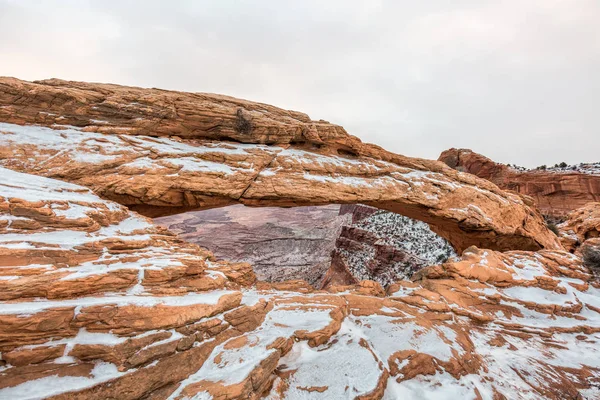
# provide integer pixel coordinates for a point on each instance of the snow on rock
(69, 264)
(126, 308)
(324, 372)
(384, 247)
(158, 174)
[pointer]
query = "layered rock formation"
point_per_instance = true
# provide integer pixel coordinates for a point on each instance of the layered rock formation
(100, 303)
(161, 152)
(556, 191)
(280, 243)
(383, 247)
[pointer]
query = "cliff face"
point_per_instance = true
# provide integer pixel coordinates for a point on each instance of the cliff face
(324, 246)
(556, 191)
(383, 247)
(280, 243)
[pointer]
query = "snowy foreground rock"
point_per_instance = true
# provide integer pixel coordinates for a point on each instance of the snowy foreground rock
(97, 302)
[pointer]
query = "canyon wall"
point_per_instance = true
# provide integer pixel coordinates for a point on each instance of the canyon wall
(556, 191)
(325, 245)
(383, 247)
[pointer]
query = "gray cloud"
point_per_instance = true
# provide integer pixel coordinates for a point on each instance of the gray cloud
(515, 80)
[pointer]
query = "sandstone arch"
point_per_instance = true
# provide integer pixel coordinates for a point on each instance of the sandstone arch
(162, 152)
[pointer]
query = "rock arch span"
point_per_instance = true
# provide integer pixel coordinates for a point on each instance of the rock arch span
(161, 152)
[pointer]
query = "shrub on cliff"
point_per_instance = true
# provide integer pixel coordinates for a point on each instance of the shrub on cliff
(242, 123)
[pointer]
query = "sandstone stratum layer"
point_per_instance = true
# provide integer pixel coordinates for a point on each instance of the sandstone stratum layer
(98, 302)
(162, 152)
(556, 191)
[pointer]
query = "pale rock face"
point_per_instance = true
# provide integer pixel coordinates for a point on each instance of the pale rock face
(280, 243)
(99, 302)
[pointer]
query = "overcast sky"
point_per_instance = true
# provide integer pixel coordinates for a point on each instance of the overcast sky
(516, 80)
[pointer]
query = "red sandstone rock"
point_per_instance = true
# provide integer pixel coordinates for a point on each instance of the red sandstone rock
(581, 225)
(504, 320)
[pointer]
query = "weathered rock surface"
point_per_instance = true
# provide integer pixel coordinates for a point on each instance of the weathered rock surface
(161, 152)
(100, 303)
(581, 225)
(384, 247)
(556, 191)
(280, 243)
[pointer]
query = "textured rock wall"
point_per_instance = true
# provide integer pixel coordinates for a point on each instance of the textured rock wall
(349, 244)
(580, 226)
(97, 303)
